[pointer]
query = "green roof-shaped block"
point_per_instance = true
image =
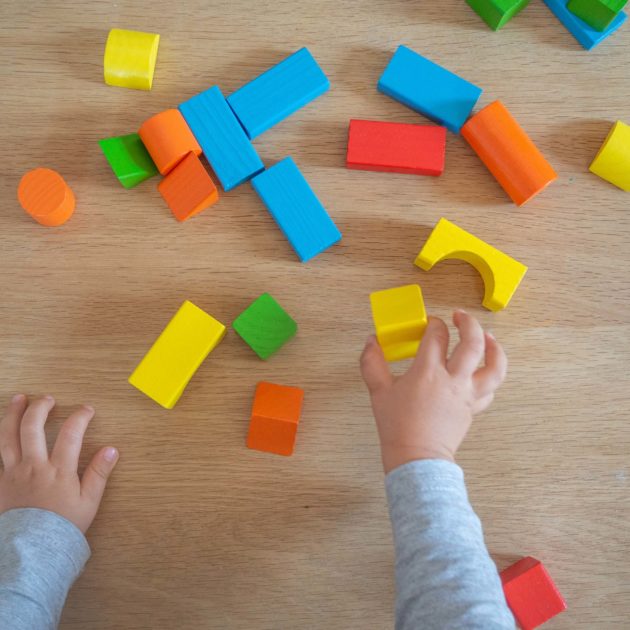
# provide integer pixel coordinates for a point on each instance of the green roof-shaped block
(129, 159)
(497, 13)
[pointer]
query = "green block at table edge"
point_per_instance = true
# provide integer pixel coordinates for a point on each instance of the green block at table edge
(129, 159)
(598, 14)
(497, 13)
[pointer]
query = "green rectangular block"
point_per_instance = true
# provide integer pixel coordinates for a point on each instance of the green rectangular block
(129, 159)
(497, 13)
(598, 14)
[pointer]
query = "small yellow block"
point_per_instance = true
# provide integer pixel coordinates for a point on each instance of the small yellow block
(177, 353)
(400, 320)
(130, 58)
(501, 274)
(612, 162)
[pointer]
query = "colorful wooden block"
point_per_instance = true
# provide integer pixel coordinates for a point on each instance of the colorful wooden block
(275, 417)
(508, 153)
(531, 594)
(130, 58)
(612, 161)
(265, 326)
(497, 13)
(128, 158)
(278, 92)
(46, 197)
(222, 139)
(501, 274)
(173, 359)
(396, 147)
(598, 14)
(428, 88)
(586, 35)
(296, 209)
(400, 320)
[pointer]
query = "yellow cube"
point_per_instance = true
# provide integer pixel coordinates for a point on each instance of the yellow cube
(130, 58)
(400, 320)
(177, 353)
(612, 162)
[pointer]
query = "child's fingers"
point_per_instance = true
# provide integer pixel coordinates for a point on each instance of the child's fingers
(488, 378)
(67, 450)
(97, 473)
(434, 346)
(32, 435)
(374, 368)
(470, 349)
(482, 403)
(10, 449)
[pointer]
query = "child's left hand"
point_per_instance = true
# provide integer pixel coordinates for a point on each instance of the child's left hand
(33, 479)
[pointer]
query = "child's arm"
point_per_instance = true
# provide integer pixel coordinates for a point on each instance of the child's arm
(44, 511)
(444, 575)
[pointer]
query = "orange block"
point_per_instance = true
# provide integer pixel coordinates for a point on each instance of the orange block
(508, 152)
(188, 188)
(44, 194)
(275, 417)
(168, 139)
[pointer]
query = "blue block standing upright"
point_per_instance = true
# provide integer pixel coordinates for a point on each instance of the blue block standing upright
(586, 35)
(296, 209)
(221, 137)
(429, 89)
(278, 92)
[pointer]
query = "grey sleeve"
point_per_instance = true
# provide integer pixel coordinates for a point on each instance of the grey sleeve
(445, 578)
(41, 555)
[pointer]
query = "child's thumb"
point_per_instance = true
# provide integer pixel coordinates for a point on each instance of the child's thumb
(374, 368)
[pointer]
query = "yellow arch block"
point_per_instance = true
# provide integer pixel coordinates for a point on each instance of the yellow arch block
(130, 58)
(612, 162)
(501, 274)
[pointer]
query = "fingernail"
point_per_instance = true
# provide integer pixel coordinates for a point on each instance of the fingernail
(371, 340)
(461, 311)
(490, 335)
(18, 398)
(110, 454)
(49, 397)
(88, 408)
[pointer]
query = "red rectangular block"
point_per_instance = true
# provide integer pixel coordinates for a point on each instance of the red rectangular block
(396, 147)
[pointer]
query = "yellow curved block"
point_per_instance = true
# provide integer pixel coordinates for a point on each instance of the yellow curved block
(399, 320)
(501, 274)
(130, 58)
(612, 162)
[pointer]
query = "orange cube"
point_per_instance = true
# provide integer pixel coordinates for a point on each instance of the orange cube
(275, 417)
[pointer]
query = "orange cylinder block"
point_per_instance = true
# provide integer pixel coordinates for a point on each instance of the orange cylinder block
(508, 152)
(44, 195)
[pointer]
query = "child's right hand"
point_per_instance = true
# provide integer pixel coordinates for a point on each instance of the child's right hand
(426, 412)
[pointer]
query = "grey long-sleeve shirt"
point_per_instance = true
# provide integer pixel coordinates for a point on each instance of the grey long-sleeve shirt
(444, 575)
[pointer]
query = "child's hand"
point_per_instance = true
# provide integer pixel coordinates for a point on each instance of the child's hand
(426, 412)
(33, 479)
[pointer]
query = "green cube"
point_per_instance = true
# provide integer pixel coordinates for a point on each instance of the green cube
(129, 159)
(265, 326)
(497, 13)
(598, 14)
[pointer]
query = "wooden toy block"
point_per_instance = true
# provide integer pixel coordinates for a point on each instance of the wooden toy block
(598, 14)
(44, 194)
(428, 88)
(278, 92)
(188, 189)
(168, 139)
(396, 147)
(295, 208)
(508, 153)
(400, 320)
(173, 359)
(497, 13)
(265, 326)
(612, 161)
(586, 35)
(501, 274)
(531, 594)
(129, 159)
(275, 417)
(222, 139)
(130, 58)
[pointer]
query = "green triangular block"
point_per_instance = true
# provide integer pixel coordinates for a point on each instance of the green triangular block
(497, 13)
(129, 159)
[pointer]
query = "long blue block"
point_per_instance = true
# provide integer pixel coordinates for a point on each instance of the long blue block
(221, 137)
(278, 92)
(428, 88)
(296, 209)
(585, 34)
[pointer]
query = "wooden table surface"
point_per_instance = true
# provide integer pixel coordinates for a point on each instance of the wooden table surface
(196, 531)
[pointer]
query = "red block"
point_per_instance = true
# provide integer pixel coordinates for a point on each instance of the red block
(531, 593)
(396, 147)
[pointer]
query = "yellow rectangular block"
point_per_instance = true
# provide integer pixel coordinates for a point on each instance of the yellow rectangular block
(399, 319)
(130, 58)
(612, 161)
(176, 354)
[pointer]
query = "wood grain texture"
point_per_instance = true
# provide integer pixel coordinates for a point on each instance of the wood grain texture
(195, 530)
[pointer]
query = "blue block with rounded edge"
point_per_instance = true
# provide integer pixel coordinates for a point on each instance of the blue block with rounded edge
(296, 209)
(221, 137)
(428, 88)
(586, 35)
(278, 92)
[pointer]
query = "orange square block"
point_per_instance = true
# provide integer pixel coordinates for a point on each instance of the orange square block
(188, 188)
(275, 417)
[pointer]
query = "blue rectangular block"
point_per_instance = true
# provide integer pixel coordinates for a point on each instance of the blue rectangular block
(296, 209)
(585, 34)
(221, 137)
(429, 89)
(278, 92)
